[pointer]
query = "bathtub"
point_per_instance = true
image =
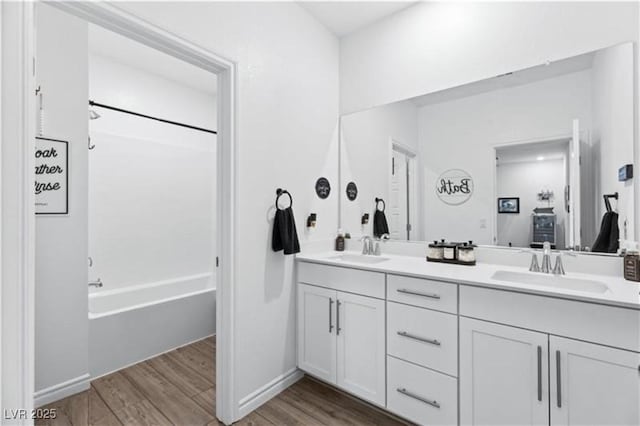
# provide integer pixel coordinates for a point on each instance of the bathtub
(132, 324)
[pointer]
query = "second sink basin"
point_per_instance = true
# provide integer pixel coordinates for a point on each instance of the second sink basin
(359, 258)
(548, 280)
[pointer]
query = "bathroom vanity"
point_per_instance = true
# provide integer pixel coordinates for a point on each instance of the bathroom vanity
(490, 344)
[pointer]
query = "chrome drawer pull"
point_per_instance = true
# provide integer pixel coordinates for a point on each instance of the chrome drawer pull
(418, 397)
(418, 293)
(421, 339)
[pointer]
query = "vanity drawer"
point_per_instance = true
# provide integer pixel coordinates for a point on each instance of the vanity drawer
(605, 325)
(421, 395)
(350, 280)
(430, 294)
(424, 337)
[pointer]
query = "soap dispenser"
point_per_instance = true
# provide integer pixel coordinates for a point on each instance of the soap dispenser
(340, 241)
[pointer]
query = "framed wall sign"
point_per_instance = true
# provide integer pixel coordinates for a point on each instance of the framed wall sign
(509, 205)
(352, 191)
(323, 188)
(52, 176)
(454, 187)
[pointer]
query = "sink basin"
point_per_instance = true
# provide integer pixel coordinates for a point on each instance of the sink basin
(548, 280)
(359, 258)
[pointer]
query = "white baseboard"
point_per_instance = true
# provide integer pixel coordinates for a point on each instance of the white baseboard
(268, 391)
(62, 390)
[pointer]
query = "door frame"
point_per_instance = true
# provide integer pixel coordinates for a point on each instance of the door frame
(494, 152)
(18, 248)
(412, 211)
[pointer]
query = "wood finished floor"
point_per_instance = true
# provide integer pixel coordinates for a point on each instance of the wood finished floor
(178, 388)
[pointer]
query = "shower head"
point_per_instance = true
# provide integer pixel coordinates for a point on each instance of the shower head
(93, 115)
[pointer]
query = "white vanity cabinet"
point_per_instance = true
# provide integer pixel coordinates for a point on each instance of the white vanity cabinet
(437, 352)
(503, 375)
(316, 331)
(511, 375)
(341, 335)
(593, 384)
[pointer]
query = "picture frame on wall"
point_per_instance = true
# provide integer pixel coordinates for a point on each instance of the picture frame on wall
(509, 205)
(51, 176)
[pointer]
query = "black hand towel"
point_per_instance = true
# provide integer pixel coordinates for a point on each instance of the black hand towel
(380, 225)
(285, 235)
(607, 240)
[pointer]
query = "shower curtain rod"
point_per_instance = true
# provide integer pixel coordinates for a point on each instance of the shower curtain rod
(137, 114)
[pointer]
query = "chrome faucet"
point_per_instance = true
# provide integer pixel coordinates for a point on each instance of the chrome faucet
(383, 238)
(96, 283)
(367, 245)
(558, 269)
(546, 258)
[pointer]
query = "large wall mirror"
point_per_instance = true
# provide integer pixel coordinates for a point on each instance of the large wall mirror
(516, 160)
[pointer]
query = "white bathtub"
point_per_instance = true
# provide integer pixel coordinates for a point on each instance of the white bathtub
(132, 324)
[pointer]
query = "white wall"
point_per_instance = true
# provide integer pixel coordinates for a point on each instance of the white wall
(61, 349)
(437, 45)
(525, 180)
(366, 158)
(462, 134)
(151, 184)
(613, 133)
(287, 108)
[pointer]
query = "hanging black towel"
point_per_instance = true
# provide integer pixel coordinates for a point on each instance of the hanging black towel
(607, 240)
(380, 225)
(285, 235)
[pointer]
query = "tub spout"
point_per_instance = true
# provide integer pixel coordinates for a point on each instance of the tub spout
(96, 283)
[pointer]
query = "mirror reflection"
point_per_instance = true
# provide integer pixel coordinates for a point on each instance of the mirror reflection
(538, 155)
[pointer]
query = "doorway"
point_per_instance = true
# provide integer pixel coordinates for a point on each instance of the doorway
(402, 193)
(19, 350)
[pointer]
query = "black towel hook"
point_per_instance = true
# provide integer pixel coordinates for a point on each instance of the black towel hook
(279, 193)
(607, 203)
(384, 205)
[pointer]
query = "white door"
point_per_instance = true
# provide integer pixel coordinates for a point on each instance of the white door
(403, 198)
(503, 375)
(317, 331)
(574, 187)
(361, 334)
(593, 384)
(398, 200)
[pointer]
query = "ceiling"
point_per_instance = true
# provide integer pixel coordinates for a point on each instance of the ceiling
(517, 78)
(538, 151)
(345, 17)
(124, 50)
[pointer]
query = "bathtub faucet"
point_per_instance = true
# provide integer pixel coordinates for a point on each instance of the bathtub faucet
(96, 283)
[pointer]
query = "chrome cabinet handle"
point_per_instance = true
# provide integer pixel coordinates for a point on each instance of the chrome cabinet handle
(418, 293)
(338, 317)
(330, 315)
(421, 339)
(539, 373)
(432, 403)
(558, 381)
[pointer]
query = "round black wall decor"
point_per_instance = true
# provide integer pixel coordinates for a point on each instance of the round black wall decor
(323, 188)
(352, 191)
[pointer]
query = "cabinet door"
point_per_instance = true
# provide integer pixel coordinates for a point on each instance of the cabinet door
(593, 384)
(361, 333)
(317, 332)
(503, 375)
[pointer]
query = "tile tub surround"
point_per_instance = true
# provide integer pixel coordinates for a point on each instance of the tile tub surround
(622, 293)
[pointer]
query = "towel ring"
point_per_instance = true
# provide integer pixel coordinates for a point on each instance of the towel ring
(384, 205)
(279, 193)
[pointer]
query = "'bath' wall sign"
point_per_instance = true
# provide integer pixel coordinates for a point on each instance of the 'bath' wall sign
(52, 176)
(454, 187)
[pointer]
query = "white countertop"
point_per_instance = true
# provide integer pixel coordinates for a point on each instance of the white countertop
(621, 292)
